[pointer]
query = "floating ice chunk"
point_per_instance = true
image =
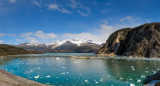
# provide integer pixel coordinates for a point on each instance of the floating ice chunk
(132, 67)
(63, 73)
(47, 83)
(86, 80)
(63, 67)
(38, 68)
(132, 85)
(101, 80)
(120, 78)
(96, 82)
(48, 76)
(80, 74)
(67, 72)
(36, 77)
(130, 79)
(142, 76)
(57, 58)
(75, 62)
(138, 80)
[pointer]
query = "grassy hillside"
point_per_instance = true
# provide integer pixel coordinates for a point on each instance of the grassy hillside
(11, 50)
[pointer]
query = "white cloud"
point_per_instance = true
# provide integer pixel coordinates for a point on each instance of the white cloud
(86, 35)
(2, 34)
(99, 35)
(84, 13)
(58, 8)
(73, 4)
(32, 39)
(130, 18)
(12, 1)
(36, 3)
(37, 36)
(41, 34)
(2, 42)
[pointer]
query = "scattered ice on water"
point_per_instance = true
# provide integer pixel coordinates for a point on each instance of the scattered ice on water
(146, 71)
(48, 76)
(130, 79)
(57, 58)
(67, 72)
(96, 82)
(138, 80)
(47, 83)
(101, 80)
(132, 67)
(142, 76)
(63, 73)
(120, 78)
(86, 80)
(75, 62)
(63, 67)
(80, 74)
(38, 68)
(132, 85)
(36, 77)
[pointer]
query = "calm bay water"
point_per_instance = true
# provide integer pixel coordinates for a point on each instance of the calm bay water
(61, 70)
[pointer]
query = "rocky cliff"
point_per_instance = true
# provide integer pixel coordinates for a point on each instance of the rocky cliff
(141, 41)
(114, 41)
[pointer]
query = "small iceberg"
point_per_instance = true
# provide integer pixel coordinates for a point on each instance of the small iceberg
(36, 77)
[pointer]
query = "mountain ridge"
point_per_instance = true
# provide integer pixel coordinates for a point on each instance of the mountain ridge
(63, 46)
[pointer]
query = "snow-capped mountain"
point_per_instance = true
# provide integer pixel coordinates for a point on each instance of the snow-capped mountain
(70, 45)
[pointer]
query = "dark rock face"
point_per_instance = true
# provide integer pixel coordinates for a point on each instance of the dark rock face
(114, 41)
(141, 41)
(153, 78)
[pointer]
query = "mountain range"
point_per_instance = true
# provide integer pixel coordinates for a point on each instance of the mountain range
(63, 46)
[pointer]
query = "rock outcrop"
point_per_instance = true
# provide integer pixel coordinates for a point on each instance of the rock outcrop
(141, 41)
(153, 80)
(8, 79)
(114, 41)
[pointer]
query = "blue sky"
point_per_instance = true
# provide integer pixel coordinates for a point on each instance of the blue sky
(43, 21)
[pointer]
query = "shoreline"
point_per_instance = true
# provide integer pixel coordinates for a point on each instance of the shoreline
(9, 79)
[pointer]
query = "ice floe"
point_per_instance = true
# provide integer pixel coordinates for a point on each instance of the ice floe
(36, 77)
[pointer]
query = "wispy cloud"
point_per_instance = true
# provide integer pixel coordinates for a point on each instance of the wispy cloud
(73, 4)
(37, 36)
(84, 13)
(36, 3)
(2, 42)
(2, 34)
(12, 1)
(58, 8)
(130, 18)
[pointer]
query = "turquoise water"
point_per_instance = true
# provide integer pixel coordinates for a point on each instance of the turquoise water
(61, 70)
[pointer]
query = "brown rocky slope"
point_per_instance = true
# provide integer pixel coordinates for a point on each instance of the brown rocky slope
(11, 50)
(141, 41)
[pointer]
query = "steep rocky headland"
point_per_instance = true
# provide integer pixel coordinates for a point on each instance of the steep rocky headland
(141, 41)
(11, 50)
